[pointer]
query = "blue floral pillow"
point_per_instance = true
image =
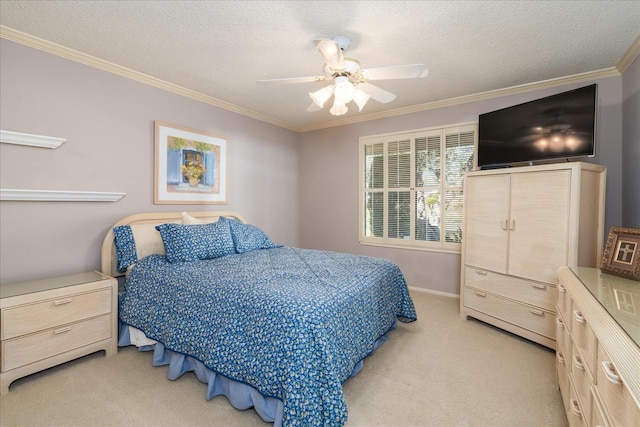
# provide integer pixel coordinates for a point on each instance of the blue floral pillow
(247, 237)
(125, 244)
(196, 241)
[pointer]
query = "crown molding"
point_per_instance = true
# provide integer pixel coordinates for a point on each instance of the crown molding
(19, 138)
(76, 56)
(64, 52)
(57, 196)
(629, 56)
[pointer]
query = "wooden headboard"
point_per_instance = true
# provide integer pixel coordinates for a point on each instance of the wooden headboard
(108, 252)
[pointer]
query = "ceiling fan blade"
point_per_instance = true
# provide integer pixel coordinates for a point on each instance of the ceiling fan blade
(331, 52)
(377, 93)
(313, 108)
(396, 72)
(291, 80)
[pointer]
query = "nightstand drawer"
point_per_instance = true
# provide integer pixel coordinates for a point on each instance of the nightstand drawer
(528, 291)
(31, 348)
(531, 318)
(30, 318)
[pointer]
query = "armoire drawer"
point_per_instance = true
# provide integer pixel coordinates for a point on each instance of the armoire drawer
(531, 318)
(42, 315)
(527, 291)
(41, 345)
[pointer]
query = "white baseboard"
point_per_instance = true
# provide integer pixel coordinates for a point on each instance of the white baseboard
(431, 291)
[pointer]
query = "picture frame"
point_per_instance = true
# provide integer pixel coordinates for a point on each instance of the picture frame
(622, 253)
(190, 167)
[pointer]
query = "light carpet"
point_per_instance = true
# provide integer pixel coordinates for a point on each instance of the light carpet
(439, 371)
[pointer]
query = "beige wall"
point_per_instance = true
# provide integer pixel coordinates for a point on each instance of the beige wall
(108, 123)
(631, 146)
(328, 171)
(302, 189)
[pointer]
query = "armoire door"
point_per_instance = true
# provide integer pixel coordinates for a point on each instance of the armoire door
(539, 224)
(487, 211)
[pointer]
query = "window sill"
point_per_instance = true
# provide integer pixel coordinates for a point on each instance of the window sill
(413, 248)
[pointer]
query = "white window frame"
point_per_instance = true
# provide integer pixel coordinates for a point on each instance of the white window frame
(441, 188)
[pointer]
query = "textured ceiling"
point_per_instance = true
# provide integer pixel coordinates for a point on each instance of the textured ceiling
(222, 48)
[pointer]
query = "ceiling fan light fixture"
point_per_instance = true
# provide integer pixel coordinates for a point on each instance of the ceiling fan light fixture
(321, 96)
(360, 98)
(338, 108)
(344, 90)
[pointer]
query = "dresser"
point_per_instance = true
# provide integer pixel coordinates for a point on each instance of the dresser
(598, 351)
(47, 322)
(520, 226)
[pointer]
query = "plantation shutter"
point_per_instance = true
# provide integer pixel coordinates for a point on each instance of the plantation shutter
(411, 187)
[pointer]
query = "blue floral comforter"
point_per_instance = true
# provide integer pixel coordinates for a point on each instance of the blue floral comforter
(291, 322)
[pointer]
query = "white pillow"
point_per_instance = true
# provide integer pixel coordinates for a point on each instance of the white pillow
(189, 220)
(148, 240)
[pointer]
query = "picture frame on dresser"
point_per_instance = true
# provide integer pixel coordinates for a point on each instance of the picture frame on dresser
(621, 255)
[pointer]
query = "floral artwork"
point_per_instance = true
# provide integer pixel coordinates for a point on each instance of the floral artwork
(190, 166)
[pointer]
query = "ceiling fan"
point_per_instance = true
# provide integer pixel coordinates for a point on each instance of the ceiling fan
(349, 82)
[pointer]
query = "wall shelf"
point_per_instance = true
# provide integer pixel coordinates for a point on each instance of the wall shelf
(58, 196)
(20, 138)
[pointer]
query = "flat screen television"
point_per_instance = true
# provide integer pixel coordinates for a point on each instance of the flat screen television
(560, 126)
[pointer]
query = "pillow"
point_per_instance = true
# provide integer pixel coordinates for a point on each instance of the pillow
(192, 242)
(134, 242)
(247, 237)
(188, 219)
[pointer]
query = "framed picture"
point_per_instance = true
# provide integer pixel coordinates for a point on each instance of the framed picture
(190, 166)
(622, 253)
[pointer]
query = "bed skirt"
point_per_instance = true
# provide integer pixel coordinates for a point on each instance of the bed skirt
(241, 395)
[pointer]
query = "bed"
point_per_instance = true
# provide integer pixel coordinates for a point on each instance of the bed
(272, 327)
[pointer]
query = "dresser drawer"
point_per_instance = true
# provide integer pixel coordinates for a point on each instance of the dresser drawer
(616, 399)
(564, 304)
(35, 317)
(536, 320)
(562, 370)
(31, 348)
(528, 291)
(582, 381)
(563, 337)
(575, 415)
(598, 417)
(584, 338)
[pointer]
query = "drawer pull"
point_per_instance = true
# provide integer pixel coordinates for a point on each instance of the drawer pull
(505, 224)
(578, 316)
(609, 371)
(538, 285)
(62, 330)
(561, 358)
(513, 225)
(480, 294)
(63, 301)
(561, 288)
(536, 312)
(559, 322)
(481, 272)
(578, 363)
(575, 408)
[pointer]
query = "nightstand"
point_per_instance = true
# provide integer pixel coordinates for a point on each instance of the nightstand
(47, 322)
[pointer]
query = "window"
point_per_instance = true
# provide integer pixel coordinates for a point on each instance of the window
(411, 187)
